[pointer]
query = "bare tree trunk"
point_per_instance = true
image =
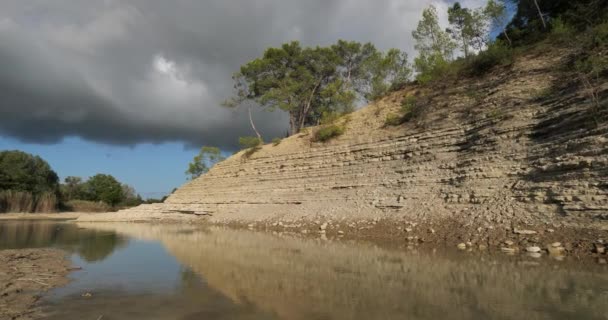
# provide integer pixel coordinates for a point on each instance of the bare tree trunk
(540, 14)
(507, 36)
(253, 125)
(293, 128)
(306, 108)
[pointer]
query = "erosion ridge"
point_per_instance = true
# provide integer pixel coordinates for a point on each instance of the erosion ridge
(518, 146)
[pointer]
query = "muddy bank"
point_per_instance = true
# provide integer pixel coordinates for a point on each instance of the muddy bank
(25, 275)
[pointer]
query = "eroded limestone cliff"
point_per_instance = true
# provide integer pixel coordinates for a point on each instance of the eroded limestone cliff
(519, 145)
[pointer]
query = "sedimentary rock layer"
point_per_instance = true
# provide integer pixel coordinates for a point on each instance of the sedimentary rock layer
(520, 145)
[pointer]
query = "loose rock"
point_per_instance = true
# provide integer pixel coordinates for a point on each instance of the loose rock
(533, 249)
(556, 244)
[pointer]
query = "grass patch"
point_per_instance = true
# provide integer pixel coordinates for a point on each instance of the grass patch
(276, 141)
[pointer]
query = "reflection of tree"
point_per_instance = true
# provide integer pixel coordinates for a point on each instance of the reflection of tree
(89, 244)
(97, 246)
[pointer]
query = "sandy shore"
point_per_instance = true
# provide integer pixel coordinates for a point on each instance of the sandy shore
(42, 216)
(24, 276)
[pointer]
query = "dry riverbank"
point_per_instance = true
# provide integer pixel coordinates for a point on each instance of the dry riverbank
(42, 216)
(557, 241)
(24, 276)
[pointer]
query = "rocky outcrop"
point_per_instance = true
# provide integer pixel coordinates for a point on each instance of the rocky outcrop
(520, 145)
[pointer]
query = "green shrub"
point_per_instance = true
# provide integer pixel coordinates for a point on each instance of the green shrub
(328, 132)
(250, 142)
(86, 206)
(330, 117)
(433, 70)
(410, 109)
(393, 120)
(276, 141)
(408, 104)
(561, 31)
(497, 54)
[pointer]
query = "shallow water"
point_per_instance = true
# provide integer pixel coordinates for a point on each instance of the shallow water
(142, 271)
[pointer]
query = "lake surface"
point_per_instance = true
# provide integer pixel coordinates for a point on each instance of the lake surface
(142, 271)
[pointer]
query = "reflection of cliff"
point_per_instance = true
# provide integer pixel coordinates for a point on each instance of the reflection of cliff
(307, 279)
(91, 245)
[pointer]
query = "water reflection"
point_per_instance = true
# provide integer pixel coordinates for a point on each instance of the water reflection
(91, 245)
(292, 278)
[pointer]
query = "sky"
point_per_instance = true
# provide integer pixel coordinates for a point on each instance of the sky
(133, 88)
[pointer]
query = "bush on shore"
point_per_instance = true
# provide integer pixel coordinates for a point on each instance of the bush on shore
(86, 206)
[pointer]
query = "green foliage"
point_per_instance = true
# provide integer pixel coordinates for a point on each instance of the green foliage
(306, 82)
(328, 132)
(497, 54)
(498, 16)
(385, 73)
(130, 197)
(435, 48)
(27, 183)
(86, 206)
(393, 120)
(204, 161)
(20, 171)
(105, 188)
(468, 27)
(409, 108)
(276, 141)
(527, 25)
(408, 104)
(251, 145)
(250, 142)
(561, 31)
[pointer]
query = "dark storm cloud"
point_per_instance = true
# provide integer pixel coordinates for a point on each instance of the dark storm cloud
(126, 72)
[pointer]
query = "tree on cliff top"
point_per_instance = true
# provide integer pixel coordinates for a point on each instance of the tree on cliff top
(434, 46)
(308, 82)
(496, 11)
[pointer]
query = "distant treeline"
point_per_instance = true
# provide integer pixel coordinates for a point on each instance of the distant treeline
(28, 184)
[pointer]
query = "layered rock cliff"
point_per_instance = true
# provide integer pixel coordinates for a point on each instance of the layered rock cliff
(519, 145)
